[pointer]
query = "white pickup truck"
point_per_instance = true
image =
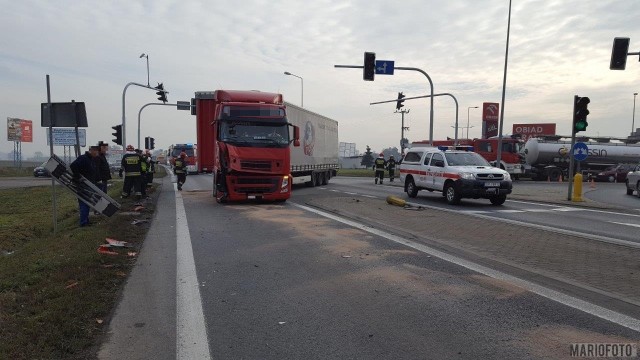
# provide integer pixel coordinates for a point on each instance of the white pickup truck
(633, 181)
(455, 171)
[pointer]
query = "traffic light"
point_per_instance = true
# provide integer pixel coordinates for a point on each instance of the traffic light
(369, 66)
(146, 142)
(162, 95)
(619, 53)
(117, 135)
(152, 143)
(580, 113)
(400, 101)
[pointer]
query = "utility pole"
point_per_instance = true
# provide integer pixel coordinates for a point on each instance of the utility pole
(402, 129)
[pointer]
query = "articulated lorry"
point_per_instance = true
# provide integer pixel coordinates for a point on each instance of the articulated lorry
(547, 158)
(510, 158)
(245, 137)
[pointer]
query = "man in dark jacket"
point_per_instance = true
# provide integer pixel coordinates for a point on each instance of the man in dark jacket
(85, 165)
(391, 166)
(103, 166)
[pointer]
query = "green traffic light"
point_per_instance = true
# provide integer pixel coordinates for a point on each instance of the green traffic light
(581, 125)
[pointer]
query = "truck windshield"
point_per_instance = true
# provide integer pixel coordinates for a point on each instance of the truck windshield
(255, 133)
(465, 159)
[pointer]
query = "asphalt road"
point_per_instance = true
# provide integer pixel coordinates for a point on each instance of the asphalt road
(613, 194)
(18, 182)
(289, 282)
(588, 221)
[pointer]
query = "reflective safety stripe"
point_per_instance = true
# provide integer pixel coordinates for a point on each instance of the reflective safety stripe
(132, 173)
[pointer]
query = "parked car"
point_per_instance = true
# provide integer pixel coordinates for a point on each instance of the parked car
(633, 181)
(616, 173)
(41, 171)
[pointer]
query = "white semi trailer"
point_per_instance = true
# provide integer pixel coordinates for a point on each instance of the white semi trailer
(549, 159)
(315, 161)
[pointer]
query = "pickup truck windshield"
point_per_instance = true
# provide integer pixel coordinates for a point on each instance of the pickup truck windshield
(243, 132)
(465, 159)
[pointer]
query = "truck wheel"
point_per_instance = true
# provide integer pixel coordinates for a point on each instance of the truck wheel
(638, 189)
(498, 200)
(325, 178)
(316, 179)
(452, 195)
(412, 189)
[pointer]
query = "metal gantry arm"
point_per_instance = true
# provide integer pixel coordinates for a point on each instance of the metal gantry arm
(429, 96)
(412, 69)
(124, 119)
(140, 112)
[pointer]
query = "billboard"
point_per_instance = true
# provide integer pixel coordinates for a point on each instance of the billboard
(527, 131)
(490, 119)
(19, 130)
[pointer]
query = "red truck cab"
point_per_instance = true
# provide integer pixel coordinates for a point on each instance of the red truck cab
(243, 140)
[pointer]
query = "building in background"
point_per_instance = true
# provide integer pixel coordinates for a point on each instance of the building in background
(348, 156)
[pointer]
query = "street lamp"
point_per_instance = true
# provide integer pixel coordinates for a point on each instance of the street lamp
(146, 56)
(633, 119)
(468, 109)
(302, 87)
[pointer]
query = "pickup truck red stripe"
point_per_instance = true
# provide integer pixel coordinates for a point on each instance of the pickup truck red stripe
(415, 172)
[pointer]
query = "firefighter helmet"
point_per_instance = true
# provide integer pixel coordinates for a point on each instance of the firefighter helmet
(129, 147)
(183, 154)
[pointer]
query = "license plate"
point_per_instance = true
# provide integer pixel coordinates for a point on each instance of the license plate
(492, 184)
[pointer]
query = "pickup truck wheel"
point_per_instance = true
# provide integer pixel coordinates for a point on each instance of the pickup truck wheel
(452, 195)
(629, 190)
(638, 189)
(412, 189)
(498, 200)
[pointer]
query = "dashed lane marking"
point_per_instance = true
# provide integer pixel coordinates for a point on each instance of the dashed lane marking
(627, 224)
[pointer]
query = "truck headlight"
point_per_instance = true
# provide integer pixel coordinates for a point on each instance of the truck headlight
(507, 177)
(285, 184)
(468, 176)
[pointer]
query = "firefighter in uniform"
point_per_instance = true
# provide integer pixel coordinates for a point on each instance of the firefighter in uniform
(151, 168)
(391, 166)
(180, 169)
(132, 172)
(144, 166)
(380, 164)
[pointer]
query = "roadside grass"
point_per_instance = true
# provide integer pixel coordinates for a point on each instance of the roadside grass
(56, 291)
(362, 172)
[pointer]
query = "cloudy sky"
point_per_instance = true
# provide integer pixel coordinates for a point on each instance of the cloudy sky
(91, 50)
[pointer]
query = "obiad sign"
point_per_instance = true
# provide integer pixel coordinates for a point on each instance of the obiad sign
(527, 131)
(490, 119)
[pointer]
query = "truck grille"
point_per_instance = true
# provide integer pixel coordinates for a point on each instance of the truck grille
(489, 177)
(255, 185)
(256, 165)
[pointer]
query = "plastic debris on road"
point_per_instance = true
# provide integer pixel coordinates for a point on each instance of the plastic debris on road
(139, 221)
(72, 285)
(118, 243)
(104, 249)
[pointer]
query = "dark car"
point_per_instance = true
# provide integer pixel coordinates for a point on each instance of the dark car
(41, 171)
(616, 173)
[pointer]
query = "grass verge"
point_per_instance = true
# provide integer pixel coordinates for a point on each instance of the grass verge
(362, 172)
(57, 291)
(16, 172)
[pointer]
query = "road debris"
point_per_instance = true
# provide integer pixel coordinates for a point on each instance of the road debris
(118, 243)
(346, 256)
(72, 285)
(104, 249)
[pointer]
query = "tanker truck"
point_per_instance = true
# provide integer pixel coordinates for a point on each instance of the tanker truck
(547, 158)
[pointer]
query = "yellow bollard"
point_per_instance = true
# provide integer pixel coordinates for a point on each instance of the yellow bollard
(577, 188)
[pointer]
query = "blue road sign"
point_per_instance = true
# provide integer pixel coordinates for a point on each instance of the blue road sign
(580, 151)
(384, 67)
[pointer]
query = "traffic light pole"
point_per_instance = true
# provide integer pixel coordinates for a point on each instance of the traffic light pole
(402, 129)
(140, 112)
(573, 143)
(411, 69)
(124, 119)
(429, 96)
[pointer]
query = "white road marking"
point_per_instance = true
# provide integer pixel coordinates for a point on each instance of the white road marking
(536, 210)
(589, 308)
(627, 224)
(510, 211)
(191, 333)
(370, 196)
(583, 209)
(334, 190)
(475, 212)
(350, 193)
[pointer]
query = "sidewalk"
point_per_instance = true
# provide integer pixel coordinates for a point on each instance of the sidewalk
(598, 268)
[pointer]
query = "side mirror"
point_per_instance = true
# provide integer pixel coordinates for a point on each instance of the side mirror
(296, 136)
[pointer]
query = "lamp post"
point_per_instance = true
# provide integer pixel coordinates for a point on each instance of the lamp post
(146, 56)
(468, 109)
(633, 119)
(302, 87)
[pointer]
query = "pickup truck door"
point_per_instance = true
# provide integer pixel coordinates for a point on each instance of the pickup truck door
(436, 169)
(425, 180)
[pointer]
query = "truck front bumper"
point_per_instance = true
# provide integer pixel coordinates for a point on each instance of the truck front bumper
(266, 187)
(483, 189)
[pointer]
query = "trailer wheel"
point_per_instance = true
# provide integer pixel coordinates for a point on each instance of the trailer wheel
(325, 178)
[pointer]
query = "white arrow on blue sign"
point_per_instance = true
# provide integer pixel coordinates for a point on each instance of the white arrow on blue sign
(580, 151)
(384, 67)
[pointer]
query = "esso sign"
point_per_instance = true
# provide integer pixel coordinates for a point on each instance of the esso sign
(527, 131)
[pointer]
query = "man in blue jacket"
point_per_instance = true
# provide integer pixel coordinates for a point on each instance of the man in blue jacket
(85, 165)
